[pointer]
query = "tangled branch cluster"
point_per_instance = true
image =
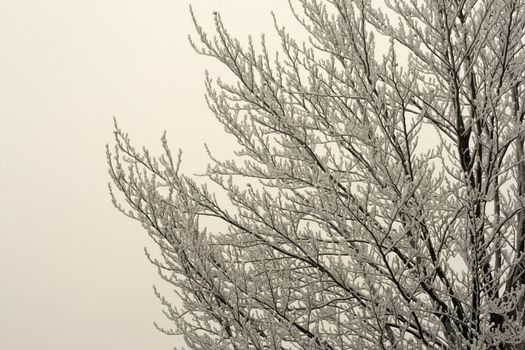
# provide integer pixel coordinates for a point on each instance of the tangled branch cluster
(352, 234)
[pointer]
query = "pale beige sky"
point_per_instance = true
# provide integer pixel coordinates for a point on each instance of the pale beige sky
(73, 274)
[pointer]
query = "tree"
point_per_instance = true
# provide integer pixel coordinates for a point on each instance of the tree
(342, 230)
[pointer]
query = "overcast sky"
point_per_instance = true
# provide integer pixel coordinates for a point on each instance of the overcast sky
(73, 273)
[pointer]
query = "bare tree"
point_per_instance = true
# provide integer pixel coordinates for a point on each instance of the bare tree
(342, 231)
